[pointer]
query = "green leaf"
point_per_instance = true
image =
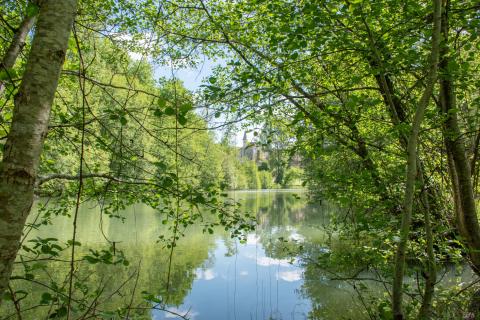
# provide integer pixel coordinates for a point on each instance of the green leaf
(59, 313)
(186, 107)
(46, 298)
(32, 9)
(8, 74)
(7, 296)
(212, 80)
(182, 120)
(29, 276)
(77, 243)
(169, 111)
(91, 259)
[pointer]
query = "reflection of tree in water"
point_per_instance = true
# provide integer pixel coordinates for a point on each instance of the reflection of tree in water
(290, 228)
(191, 253)
(329, 296)
(231, 245)
(110, 287)
(285, 220)
(280, 216)
(279, 208)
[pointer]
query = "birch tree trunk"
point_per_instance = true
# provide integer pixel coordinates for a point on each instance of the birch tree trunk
(31, 115)
(16, 46)
(397, 295)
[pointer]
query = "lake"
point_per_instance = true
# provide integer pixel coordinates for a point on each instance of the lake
(212, 276)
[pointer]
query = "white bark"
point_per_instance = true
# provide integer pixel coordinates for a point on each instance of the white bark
(31, 115)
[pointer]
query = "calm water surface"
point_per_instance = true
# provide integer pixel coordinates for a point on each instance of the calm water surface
(213, 276)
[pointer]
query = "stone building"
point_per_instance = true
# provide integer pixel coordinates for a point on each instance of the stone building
(251, 151)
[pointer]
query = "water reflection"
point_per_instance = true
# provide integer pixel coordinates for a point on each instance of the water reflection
(247, 285)
(250, 280)
(213, 277)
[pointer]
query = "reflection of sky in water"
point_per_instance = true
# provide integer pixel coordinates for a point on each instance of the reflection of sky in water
(248, 285)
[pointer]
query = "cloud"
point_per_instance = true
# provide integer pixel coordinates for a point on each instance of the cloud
(142, 45)
(290, 276)
(244, 273)
(252, 238)
(267, 261)
(207, 274)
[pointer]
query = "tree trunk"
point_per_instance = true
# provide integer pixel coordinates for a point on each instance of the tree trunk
(398, 116)
(16, 46)
(31, 114)
(459, 169)
(467, 221)
(411, 173)
(431, 268)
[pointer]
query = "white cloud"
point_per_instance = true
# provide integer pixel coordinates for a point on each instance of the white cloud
(252, 239)
(207, 274)
(244, 273)
(143, 45)
(266, 261)
(135, 55)
(290, 276)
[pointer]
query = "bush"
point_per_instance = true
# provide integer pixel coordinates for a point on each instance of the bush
(266, 179)
(293, 177)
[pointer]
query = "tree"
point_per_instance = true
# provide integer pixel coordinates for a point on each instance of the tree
(352, 74)
(17, 44)
(18, 170)
(411, 178)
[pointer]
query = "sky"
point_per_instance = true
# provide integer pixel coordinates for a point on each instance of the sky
(192, 79)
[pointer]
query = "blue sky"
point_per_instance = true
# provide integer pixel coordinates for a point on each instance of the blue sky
(192, 79)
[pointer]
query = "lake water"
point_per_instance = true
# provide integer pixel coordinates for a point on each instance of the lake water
(212, 276)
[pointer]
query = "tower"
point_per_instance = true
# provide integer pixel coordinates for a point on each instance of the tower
(243, 149)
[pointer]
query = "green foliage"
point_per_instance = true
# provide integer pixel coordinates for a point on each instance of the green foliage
(266, 179)
(330, 88)
(293, 177)
(250, 171)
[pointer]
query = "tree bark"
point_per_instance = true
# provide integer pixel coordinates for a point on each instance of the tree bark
(397, 296)
(31, 115)
(431, 268)
(459, 167)
(16, 46)
(398, 115)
